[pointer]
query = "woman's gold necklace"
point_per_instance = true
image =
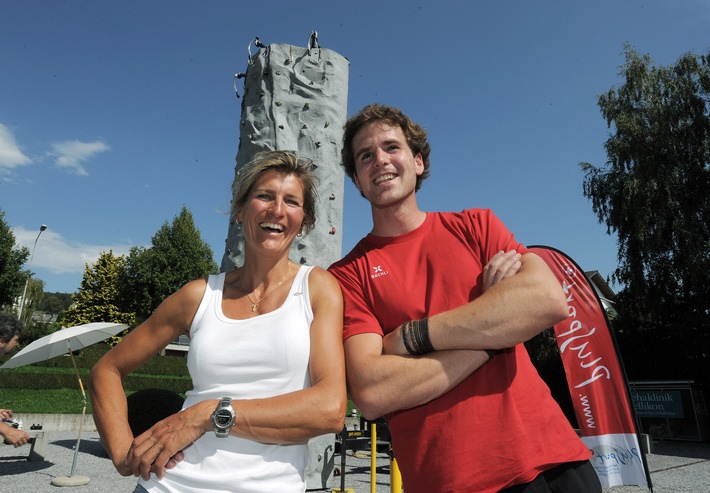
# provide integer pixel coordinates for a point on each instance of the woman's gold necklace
(255, 304)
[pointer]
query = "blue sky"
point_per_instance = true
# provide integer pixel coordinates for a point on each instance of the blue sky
(113, 115)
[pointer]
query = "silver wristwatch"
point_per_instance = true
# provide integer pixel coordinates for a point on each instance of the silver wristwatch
(223, 417)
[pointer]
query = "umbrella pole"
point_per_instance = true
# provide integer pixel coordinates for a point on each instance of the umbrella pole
(83, 411)
(78, 440)
(72, 480)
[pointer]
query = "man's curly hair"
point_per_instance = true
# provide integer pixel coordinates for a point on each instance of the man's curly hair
(413, 132)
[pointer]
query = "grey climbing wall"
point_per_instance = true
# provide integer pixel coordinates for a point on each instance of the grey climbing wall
(295, 98)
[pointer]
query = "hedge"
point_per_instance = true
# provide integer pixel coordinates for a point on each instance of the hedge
(161, 372)
(133, 382)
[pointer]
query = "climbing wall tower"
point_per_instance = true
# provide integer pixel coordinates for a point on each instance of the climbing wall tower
(296, 99)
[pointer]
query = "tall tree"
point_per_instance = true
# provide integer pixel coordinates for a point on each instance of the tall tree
(177, 255)
(97, 298)
(12, 257)
(34, 296)
(654, 193)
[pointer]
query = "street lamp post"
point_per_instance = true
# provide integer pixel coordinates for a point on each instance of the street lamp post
(29, 276)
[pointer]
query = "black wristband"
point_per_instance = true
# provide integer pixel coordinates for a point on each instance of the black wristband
(406, 335)
(422, 328)
(415, 336)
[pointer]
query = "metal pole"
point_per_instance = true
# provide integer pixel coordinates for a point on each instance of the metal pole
(373, 458)
(29, 268)
(395, 475)
(343, 450)
(83, 411)
(72, 480)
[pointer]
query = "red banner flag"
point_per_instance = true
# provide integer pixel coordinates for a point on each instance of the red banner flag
(596, 379)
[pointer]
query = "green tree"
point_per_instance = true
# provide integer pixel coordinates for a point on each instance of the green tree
(54, 303)
(34, 296)
(177, 255)
(37, 330)
(654, 193)
(97, 299)
(52, 307)
(12, 257)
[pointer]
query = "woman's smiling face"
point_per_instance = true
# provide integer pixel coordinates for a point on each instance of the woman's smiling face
(272, 216)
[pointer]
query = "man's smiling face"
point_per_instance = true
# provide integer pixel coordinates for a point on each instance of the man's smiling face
(385, 169)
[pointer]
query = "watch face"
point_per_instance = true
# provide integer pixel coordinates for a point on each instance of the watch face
(223, 418)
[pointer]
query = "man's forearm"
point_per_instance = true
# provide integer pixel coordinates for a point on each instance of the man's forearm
(391, 383)
(511, 312)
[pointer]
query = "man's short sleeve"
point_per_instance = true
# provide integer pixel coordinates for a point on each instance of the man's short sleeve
(358, 315)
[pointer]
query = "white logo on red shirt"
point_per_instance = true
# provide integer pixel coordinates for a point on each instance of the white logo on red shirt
(378, 272)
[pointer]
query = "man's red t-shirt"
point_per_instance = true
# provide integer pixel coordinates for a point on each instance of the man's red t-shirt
(500, 426)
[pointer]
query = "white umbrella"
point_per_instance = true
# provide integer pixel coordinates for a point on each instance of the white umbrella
(63, 341)
(59, 343)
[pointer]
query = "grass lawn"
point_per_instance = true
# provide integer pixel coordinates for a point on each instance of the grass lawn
(43, 401)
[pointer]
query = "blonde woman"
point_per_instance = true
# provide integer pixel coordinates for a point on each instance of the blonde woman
(266, 356)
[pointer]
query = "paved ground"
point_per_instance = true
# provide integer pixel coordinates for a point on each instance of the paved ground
(675, 467)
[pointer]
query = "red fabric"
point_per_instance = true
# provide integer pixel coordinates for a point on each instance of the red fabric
(594, 374)
(500, 426)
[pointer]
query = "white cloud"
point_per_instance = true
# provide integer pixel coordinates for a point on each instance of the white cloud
(10, 154)
(72, 153)
(60, 256)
